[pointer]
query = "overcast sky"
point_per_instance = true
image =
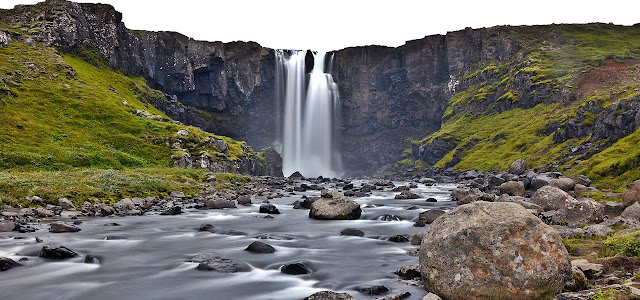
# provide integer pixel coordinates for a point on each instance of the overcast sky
(336, 24)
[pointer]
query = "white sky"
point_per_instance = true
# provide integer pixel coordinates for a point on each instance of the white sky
(336, 24)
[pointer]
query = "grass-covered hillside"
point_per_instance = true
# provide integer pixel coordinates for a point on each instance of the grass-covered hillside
(568, 101)
(81, 130)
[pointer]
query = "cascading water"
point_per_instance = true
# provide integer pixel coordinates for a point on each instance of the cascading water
(309, 135)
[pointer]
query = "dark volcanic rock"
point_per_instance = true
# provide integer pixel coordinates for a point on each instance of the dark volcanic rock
(373, 290)
(210, 262)
(207, 227)
(352, 232)
(294, 269)
(172, 211)
(260, 247)
(56, 252)
(90, 259)
(7, 263)
(57, 227)
(400, 238)
(268, 208)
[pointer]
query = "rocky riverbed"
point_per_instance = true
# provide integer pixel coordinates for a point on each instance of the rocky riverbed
(291, 238)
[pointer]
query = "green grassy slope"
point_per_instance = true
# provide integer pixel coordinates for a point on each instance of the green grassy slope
(554, 58)
(66, 131)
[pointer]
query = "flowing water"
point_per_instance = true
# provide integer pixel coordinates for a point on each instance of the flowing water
(145, 257)
(309, 135)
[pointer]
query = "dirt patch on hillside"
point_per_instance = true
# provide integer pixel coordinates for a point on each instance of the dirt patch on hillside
(609, 74)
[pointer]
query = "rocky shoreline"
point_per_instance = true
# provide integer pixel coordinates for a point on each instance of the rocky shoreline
(553, 203)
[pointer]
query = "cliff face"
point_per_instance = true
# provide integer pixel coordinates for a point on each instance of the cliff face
(418, 96)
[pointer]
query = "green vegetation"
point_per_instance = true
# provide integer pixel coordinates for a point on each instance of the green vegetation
(232, 178)
(90, 184)
(70, 129)
(611, 294)
(553, 58)
(627, 245)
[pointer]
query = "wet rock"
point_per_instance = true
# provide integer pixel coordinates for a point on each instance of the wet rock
(518, 167)
(512, 188)
(294, 269)
(219, 204)
(427, 181)
(273, 236)
(244, 200)
(389, 218)
(400, 238)
(172, 211)
(338, 207)
(210, 262)
(7, 226)
(416, 238)
(495, 238)
(111, 224)
(373, 290)
(268, 208)
(632, 194)
(65, 203)
(57, 227)
(207, 227)
(90, 259)
(260, 247)
(432, 200)
(399, 296)
(296, 176)
(401, 188)
(7, 264)
(329, 295)
(38, 239)
(56, 252)
(427, 217)
(406, 195)
(408, 272)
(352, 232)
(565, 184)
(551, 198)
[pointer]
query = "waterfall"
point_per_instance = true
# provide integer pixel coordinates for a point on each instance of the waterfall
(309, 140)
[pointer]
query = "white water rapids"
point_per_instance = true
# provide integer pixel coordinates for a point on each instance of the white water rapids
(309, 136)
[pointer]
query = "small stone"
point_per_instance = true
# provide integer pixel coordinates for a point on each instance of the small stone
(172, 211)
(90, 259)
(56, 252)
(260, 247)
(329, 295)
(352, 232)
(268, 208)
(207, 227)
(400, 238)
(408, 272)
(373, 290)
(7, 263)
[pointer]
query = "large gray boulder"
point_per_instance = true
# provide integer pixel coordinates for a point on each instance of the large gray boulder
(512, 188)
(337, 207)
(565, 184)
(551, 198)
(57, 227)
(467, 196)
(518, 167)
(493, 251)
(632, 194)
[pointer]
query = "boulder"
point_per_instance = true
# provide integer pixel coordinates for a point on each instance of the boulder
(177, 194)
(210, 262)
(268, 208)
(464, 197)
(400, 238)
(580, 189)
(494, 181)
(172, 211)
(6, 226)
(7, 263)
(219, 204)
(632, 194)
(408, 272)
(90, 259)
(632, 212)
(65, 203)
(431, 296)
(406, 195)
(294, 269)
(427, 181)
(338, 207)
(373, 290)
(296, 176)
(260, 247)
(329, 295)
(416, 238)
(551, 198)
(56, 252)
(352, 232)
(565, 184)
(583, 180)
(518, 167)
(539, 181)
(580, 211)
(427, 217)
(590, 270)
(613, 209)
(596, 230)
(207, 227)
(398, 296)
(493, 250)
(512, 188)
(58, 227)
(244, 200)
